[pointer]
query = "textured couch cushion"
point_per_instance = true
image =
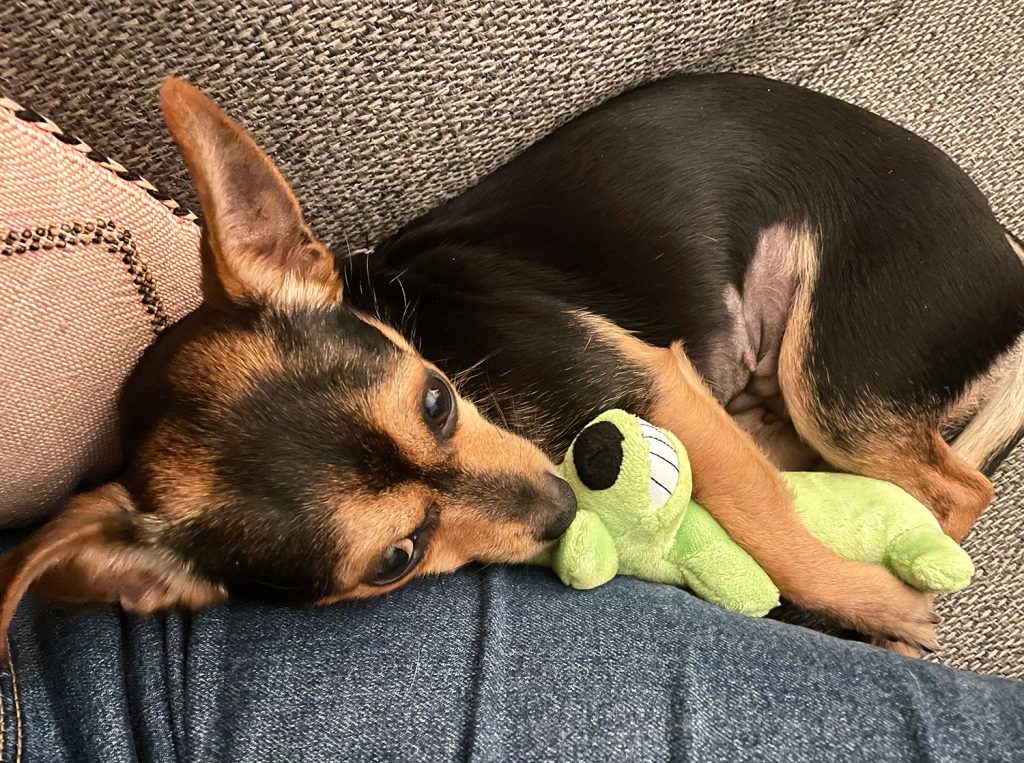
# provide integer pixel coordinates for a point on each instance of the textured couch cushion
(378, 110)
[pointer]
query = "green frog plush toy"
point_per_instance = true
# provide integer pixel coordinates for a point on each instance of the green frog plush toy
(636, 517)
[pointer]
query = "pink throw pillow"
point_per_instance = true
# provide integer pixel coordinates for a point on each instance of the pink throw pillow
(93, 264)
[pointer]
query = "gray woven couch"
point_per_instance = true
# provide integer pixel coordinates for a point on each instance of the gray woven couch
(378, 110)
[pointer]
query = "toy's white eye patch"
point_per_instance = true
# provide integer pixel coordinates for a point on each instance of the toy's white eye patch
(664, 465)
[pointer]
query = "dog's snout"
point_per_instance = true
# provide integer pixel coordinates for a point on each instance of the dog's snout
(562, 501)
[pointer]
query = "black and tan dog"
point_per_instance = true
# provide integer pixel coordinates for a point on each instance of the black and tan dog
(776, 276)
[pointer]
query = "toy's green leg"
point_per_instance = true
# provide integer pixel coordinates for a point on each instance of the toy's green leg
(586, 555)
(717, 569)
(930, 560)
(726, 575)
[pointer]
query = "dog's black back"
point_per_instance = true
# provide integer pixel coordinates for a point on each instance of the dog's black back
(645, 209)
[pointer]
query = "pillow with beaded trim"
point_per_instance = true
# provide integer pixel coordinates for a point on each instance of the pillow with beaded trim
(94, 264)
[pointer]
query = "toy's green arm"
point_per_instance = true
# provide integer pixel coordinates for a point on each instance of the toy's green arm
(586, 555)
(718, 570)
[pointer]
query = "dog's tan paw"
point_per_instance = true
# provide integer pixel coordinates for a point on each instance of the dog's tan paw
(898, 647)
(905, 623)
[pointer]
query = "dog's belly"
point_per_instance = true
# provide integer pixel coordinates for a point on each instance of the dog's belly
(742, 364)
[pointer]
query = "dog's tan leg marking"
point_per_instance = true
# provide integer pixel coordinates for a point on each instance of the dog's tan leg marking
(738, 485)
(956, 493)
(879, 443)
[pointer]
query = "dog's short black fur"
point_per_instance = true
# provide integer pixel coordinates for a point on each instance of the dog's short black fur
(644, 209)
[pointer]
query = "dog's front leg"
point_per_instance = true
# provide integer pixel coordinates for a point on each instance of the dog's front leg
(738, 485)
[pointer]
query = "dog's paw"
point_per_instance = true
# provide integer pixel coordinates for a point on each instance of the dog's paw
(898, 647)
(906, 623)
(871, 601)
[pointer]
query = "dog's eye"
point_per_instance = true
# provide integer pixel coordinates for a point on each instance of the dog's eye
(399, 559)
(395, 563)
(439, 405)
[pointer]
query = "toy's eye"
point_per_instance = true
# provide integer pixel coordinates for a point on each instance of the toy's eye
(439, 408)
(597, 455)
(664, 466)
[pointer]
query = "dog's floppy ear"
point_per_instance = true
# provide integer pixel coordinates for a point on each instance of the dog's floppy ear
(255, 238)
(100, 549)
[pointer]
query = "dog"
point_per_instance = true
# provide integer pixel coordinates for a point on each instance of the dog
(782, 279)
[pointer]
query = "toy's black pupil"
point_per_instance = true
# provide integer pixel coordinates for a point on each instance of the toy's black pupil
(597, 455)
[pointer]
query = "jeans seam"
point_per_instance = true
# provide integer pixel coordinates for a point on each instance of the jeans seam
(920, 729)
(5, 719)
(487, 679)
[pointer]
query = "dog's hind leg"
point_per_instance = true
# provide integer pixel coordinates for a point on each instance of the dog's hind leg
(879, 426)
(878, 440)
(917, 460)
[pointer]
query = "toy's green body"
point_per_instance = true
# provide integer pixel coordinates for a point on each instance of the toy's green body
(636, 518)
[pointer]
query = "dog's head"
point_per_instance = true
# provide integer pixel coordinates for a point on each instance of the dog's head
(279, 443)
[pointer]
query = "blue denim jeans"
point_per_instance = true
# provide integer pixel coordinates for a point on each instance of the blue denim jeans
(492, 664)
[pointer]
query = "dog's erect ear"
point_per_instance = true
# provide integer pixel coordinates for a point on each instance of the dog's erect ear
(100, 549)
(260, 247)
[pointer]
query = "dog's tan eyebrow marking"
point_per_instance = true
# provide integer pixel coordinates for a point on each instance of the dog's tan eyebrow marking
(396, 338)
(396, 407)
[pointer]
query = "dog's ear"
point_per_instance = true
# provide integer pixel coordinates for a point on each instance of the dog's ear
(255, 238)
(100, 549)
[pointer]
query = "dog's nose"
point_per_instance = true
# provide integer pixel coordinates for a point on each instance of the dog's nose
(597, 455)
(560, 497)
